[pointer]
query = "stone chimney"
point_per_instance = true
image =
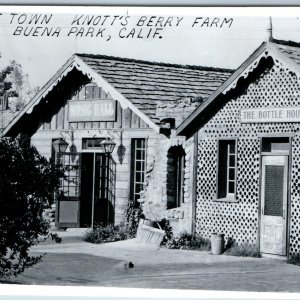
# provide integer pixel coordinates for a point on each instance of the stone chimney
(178, 110)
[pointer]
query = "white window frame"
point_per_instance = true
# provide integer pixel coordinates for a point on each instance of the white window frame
(133, 184)
(229, 197)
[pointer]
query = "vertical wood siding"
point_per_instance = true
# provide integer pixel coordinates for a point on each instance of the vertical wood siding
(124, 118)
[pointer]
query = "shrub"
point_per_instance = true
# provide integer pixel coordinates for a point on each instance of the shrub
(132, 217)
(185, 241)
(244, 249)
(168, 236)
(105, 234)
(189, 242)
(294, 259)
(27, 183)
(113, 233)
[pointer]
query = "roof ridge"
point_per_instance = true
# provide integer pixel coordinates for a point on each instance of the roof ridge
(145, 62)
(286, 43)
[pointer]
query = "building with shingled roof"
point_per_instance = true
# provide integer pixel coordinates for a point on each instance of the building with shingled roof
(108, 120)
(248, 154)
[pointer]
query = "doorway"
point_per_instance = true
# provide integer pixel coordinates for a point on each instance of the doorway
(274, 197)
(86, 197)
(97, 200)
(87, 191)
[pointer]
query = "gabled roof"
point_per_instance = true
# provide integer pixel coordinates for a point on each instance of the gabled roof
(288, 53)
(145, 83)
(137, 84)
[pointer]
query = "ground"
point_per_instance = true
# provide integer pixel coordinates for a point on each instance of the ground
(75, 262)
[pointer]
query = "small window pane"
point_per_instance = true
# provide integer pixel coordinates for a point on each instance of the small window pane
(232, 148)
(138, 177)
(231, 187)
(140, 144)
(140, 154)
(97, 142)
(231, 174)
(231, 161)
(140, 166)
(274, 144)
(138, 188)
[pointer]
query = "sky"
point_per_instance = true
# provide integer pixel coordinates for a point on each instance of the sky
(215, 37)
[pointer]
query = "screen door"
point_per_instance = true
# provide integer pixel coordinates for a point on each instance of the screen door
(274, 204)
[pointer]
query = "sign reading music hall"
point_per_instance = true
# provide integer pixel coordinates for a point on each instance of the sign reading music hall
(91, 110)
(270, 115)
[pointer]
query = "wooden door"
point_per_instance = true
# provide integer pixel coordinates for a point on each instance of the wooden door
(274, 205)
(68, 197)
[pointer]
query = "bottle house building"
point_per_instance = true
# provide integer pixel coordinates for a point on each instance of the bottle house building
(247, 179)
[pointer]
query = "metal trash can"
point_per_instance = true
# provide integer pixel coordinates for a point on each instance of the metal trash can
(217, 243)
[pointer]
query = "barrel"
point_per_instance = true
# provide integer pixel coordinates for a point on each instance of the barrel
(217, 243)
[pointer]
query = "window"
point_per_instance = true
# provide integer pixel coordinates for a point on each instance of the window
(275, 144)
(92, 143)
(69, 184)
(227, 169)
(175, 177)
(138, 168)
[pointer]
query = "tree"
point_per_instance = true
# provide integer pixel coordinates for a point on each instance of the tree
(14, 86)
(27, 184)
(20, 84)
(6, 86)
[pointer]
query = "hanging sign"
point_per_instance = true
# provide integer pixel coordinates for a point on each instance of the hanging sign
(270, 115)
(91, 110)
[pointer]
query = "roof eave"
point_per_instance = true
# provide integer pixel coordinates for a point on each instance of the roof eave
(42, 93)
(184, 128)
(77, 62)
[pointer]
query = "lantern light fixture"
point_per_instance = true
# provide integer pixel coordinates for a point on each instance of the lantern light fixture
(60, 145)
(107, 146)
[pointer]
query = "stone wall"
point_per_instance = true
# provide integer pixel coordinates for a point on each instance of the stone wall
(155, 196)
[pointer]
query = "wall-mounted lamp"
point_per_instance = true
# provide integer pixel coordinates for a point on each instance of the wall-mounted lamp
(60, 145)
(107, 146)
(121, 148)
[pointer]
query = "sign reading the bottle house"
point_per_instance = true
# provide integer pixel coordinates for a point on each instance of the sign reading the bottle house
(270, 115)
(91, 110)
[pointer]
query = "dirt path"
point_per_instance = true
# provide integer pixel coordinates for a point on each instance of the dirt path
(75, 262)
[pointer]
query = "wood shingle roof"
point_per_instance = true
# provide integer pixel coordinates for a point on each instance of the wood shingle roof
(145, 83)
(139, 85)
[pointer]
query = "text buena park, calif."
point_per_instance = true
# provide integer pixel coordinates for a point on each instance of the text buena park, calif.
(97, 25)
